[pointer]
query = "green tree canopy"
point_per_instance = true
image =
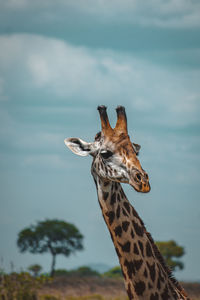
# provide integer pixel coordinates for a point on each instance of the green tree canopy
(53, 236)
(85, 271)
(35, 269)
(169, 250)
(114, 272)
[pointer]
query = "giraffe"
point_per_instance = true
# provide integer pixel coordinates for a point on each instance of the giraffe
(115, 161)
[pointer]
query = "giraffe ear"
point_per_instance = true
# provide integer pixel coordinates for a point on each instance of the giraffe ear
(136, 147)
(79, 146)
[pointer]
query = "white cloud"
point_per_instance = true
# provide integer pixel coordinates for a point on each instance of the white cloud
(86, 77)
(157, 13)
(52, 66)
(68, 71)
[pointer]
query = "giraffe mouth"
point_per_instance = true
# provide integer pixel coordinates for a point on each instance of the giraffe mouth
(141, 187)
(140, 182)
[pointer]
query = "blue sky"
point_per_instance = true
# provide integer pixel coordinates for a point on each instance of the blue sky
(58, 61)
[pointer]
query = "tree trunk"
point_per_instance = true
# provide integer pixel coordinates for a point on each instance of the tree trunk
(53, 264)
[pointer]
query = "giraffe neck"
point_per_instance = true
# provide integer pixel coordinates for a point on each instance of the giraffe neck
(145, 273)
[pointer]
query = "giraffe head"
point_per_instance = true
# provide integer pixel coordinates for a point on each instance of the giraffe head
(114, 155)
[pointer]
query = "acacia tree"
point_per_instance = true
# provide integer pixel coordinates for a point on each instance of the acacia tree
(169, 250)
(35, 269)
(53, 236)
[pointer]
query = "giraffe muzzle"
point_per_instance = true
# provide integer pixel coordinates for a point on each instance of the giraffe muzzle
(140, 182)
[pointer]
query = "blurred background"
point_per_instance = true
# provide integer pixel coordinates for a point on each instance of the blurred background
(58, 61)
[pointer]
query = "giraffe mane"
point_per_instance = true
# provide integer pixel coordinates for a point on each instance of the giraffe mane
(160, 258)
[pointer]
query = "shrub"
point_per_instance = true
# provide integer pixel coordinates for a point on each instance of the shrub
(114, 272)
(61, 272)
(85, 271)
(20, 286)
(49, 297)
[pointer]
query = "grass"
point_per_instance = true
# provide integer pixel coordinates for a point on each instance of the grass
(23, 286)
(89, 297)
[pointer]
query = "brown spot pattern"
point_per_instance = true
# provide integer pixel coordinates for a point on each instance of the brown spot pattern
(138, 229)
(125, 247)
(130, 268)
(118, 212)
(138, 264)
(141, 247)
(124, 212)
(165, 295)
(148, 250)
(127, 206)
(152, 271)
(118, 231)
(130, 295)
(125, 225)
(113, 199)
(139, 287)
(111, 216)
(105, 195)
(135, 249)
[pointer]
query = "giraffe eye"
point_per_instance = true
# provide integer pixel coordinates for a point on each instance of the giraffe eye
(106, 154)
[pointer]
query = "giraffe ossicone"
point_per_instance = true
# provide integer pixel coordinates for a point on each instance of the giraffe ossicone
(114, 162)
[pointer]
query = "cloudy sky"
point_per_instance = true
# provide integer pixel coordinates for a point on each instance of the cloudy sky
(58, 61)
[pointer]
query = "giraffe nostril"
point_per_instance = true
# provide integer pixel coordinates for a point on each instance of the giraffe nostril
(138, 176)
